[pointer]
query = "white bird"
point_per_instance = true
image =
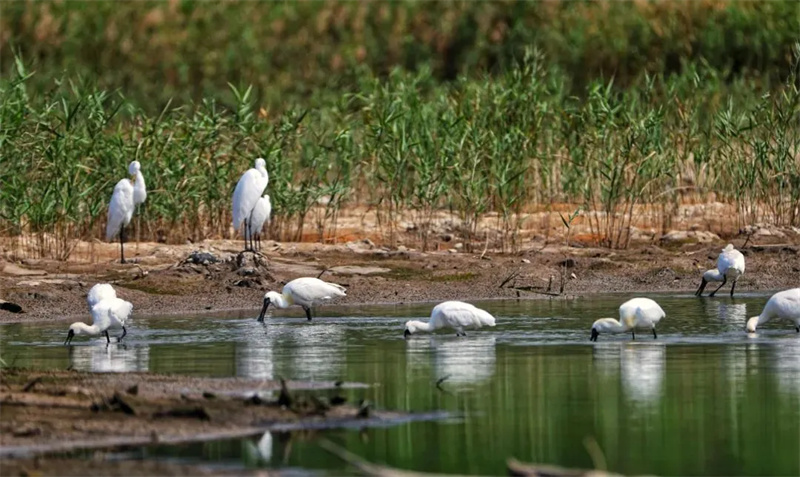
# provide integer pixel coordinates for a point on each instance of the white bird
(306, 292)
(451, 314)
(730, 266)
(120, 211)
(139, 186)
(248, 190)
(783, 305)
(100, 292)
(634, 313)
(259, 217)
(107, 313)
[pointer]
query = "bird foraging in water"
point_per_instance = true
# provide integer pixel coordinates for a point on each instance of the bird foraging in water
(783, 305)
(108, 313)
(730, 266)
(634, 313)
(451, 314)
(305, 292)
(247, 193)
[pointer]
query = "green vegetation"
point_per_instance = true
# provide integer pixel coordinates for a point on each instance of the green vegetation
(616, 105)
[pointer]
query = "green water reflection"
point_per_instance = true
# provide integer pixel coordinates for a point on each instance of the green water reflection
(703, 399)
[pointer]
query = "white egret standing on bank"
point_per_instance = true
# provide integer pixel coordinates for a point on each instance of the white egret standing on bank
(451, 314)
(730, 266)
(783, 305)
(634, 313)
(260, 216)
(139, 191)
(120, 211)
(305, 292)
(247, 193)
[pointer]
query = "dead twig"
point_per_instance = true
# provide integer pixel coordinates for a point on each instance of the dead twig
(512, 276)
(439, 384)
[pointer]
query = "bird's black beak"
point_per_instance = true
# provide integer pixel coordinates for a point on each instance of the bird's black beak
(702, 287)
(264, 309)
(70, 335)
(595, 334)
(406, 334)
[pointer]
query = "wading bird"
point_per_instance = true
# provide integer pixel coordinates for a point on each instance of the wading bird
(247, 193)
(782, 305)
(259, 217)
(305, 292)
(100, 292)
(108, 313)
(139, 190)
(451, 314)
(730, 266)
(634, 313)
(120, 211)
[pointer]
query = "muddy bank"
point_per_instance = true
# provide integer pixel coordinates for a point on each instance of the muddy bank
(61, 411)
(163, 281)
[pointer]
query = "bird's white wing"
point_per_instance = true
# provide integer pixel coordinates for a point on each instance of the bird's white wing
(730, 258)
(648, 312)
(118, 311)
(120, 209)
(308, 290)
(248, 190)
(458, 314)
(99, 292)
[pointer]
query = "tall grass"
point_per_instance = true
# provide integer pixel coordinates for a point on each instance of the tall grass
(404, 146)
(190, 50)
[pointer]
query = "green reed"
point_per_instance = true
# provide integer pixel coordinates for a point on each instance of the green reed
(404, 146)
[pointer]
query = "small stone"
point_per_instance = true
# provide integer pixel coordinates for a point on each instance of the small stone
(525, 260)
(573, 276)
(459, 246)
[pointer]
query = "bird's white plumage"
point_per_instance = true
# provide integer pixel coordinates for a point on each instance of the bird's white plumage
(120, 209)
(730, 262)
(139, 186)
(99, 292)
(309, 291)
(634, 313)
(260, 215)
(452, 314)
(782, 305)
(306, 292)
(109, 313)
(248, 191)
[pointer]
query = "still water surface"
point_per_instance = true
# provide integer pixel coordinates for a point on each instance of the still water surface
(705, 398)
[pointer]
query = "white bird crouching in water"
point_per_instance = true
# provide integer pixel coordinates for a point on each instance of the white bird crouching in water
(259, 216)
(305, 292)
(451, 314)
(99, 292)
(730, 266)
(634, 313)
(247, 193)
(108, 313)
(783, 305)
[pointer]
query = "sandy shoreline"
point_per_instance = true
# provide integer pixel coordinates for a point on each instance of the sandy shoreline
(163, 283)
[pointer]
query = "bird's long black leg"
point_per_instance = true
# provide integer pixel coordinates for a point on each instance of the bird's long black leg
(108, 338)
(699, 291)
(633, 334)
(733, 287)
(797, 328)
(655, 336)
(122, 247)
(724, 280)
(124, 332)
(245, 235)
(308, 312)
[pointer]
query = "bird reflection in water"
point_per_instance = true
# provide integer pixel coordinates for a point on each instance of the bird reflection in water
(116, 358)
(467, 361)
(640, 367)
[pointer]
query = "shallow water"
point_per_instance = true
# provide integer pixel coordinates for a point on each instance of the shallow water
(705, 398)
